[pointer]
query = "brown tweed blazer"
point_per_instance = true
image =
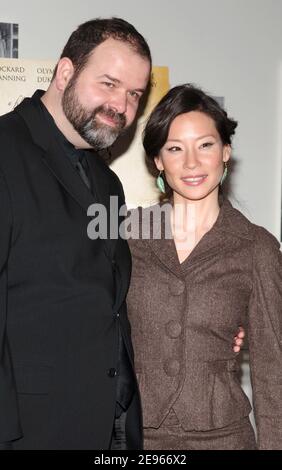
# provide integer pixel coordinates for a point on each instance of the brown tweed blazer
(184, 316)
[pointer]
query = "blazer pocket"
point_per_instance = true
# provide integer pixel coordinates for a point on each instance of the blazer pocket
(228, 400)
(213, 398)
(33, 378)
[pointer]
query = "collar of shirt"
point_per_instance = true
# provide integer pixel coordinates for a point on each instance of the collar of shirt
(75, 155)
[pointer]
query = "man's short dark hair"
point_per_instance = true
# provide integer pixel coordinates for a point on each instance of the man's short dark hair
(89, 35)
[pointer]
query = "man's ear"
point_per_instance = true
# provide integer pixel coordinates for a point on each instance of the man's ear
(65, 71)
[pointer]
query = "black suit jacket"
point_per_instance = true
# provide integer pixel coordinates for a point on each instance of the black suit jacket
(62, 295)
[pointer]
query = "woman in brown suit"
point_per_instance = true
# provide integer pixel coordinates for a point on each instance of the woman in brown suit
(198, 272)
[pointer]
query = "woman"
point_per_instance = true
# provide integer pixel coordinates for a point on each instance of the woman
(194, 284)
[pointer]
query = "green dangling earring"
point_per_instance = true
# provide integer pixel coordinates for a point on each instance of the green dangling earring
(224, 174)
(160, 183)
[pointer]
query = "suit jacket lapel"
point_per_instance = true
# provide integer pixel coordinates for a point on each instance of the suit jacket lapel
(60, 165)
(67, 176)
(118, 250)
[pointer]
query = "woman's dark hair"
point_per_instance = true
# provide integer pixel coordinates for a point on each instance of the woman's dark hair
(179, 100)
(91, 34)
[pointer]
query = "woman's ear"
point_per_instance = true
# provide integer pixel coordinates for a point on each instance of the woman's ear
(65, 71)
(226, 152)
(158, 163)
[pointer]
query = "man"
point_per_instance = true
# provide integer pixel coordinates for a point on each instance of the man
(66, 364)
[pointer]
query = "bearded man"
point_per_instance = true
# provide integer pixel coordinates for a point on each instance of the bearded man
(66, 363)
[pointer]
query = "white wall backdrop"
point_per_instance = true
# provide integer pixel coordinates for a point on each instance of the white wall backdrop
(232, 49)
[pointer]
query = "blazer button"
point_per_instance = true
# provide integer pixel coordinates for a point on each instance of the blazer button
(112, 372)
(176, 287)
(173, 329)
(172, 367)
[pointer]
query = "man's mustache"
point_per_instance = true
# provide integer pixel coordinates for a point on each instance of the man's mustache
(118, 118)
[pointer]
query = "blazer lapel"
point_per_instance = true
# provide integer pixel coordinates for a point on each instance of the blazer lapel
(156, 219)
(166, 252)
(60, 165)
(218, 238)
(117, 247)
(225, 232)
(67, 176)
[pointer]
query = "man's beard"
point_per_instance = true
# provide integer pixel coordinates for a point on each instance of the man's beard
(97, 134)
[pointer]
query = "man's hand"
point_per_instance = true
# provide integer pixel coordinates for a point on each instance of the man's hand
(238, 340)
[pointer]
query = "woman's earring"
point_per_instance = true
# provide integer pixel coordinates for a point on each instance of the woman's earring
(224, 174)
(160, 183)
